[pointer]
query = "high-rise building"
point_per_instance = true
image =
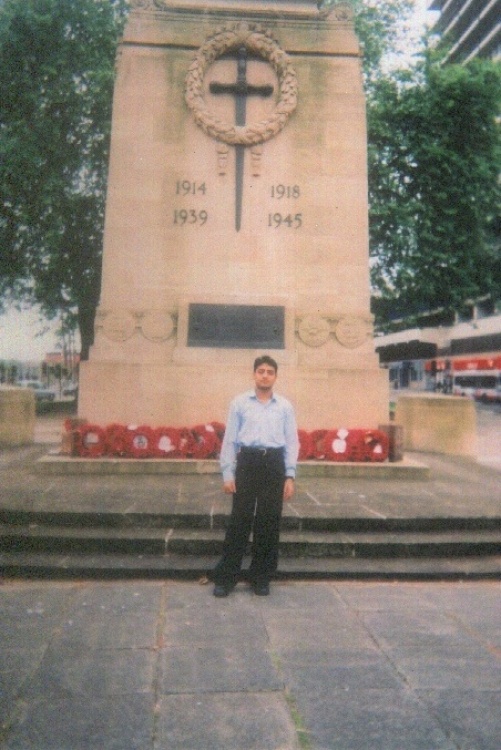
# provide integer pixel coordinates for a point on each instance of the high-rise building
(471, 27)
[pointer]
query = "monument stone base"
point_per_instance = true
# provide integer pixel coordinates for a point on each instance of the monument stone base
(184, 396)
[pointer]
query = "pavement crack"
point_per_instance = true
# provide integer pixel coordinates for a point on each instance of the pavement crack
(312, 497)
(374, 512)
(302, 733)
(494, 650)
(158, 673)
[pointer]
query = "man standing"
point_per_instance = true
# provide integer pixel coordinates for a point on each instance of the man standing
(258, 461)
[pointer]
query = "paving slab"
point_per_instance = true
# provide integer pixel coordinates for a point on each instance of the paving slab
(74, 672)
(314, 666)
(324, 629)
(93, 629)
(225, 721)
(217, 622)
(365, 719)
(234, 668)
(471, 718)
(107, 723)
(346, 668)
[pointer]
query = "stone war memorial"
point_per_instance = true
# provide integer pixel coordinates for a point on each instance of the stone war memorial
(236, 218)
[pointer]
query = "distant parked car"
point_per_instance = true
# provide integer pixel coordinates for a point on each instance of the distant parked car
(41, 392)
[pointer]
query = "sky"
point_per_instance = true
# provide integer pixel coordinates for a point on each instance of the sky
(22, 336)
(25, 336)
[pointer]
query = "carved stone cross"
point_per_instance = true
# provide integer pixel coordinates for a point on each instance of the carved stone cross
(241, 89)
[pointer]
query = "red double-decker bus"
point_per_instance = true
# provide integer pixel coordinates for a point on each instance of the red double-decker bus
(476, 377)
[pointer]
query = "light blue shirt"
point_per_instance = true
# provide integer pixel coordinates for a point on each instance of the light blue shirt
(254, 424)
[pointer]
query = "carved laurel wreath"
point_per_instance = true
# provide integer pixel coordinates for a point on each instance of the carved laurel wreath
(259, 42)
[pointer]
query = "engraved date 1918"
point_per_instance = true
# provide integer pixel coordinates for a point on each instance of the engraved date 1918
(285, 191)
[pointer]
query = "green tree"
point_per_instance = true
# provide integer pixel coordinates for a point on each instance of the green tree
(56, 82)
(381, 26)
(435, 160)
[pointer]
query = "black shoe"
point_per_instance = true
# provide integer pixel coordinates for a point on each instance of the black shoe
(220, 590)
(262, 589)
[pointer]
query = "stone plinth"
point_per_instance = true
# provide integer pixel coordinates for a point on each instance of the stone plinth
(60, 465)
(229, 201)
(438, 424)
(17, 417)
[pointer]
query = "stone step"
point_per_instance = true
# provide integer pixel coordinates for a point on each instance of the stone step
(188, 541)
(59, 465)
(197, 520)
(172, 566)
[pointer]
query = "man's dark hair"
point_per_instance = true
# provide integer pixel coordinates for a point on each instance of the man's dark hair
(265, 360)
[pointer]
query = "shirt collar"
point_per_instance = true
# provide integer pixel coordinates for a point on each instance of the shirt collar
(252, 394)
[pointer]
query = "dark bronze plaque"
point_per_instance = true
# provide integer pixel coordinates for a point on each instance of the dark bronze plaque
(236, 326)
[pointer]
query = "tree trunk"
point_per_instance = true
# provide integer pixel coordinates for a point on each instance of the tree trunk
(86, 315)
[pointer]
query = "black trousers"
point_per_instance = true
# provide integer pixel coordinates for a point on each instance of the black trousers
(257, 507)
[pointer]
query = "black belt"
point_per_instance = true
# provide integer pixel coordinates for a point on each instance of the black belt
(253, 451)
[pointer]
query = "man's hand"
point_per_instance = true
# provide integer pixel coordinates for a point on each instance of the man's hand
(229, 487)
(289, 488)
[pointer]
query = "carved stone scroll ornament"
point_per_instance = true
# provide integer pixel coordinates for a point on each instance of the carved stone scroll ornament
(353, 331)
(314, 330)
(157, 326)
(222, 158)
(337, 11)
(117, 325)
(342, 12)
(258, 42)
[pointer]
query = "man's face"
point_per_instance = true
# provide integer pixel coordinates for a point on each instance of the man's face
(264, 377)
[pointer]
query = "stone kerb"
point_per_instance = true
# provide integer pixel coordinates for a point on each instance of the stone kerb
(17, 417)
(434, 423)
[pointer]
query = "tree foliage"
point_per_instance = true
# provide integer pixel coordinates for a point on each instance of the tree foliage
(56, 82)
(434, 185)
(381, 25)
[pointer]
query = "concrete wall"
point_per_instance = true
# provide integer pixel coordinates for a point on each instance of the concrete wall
(17, 417)
(438, 424)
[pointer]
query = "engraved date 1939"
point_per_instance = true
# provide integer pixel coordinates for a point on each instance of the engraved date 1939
(190, 216)
(191, 189)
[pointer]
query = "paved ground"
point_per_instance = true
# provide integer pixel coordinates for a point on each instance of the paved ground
(314, 666)
(324, 666)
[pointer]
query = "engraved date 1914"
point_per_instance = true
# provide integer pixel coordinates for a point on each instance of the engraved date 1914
(190, 216)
